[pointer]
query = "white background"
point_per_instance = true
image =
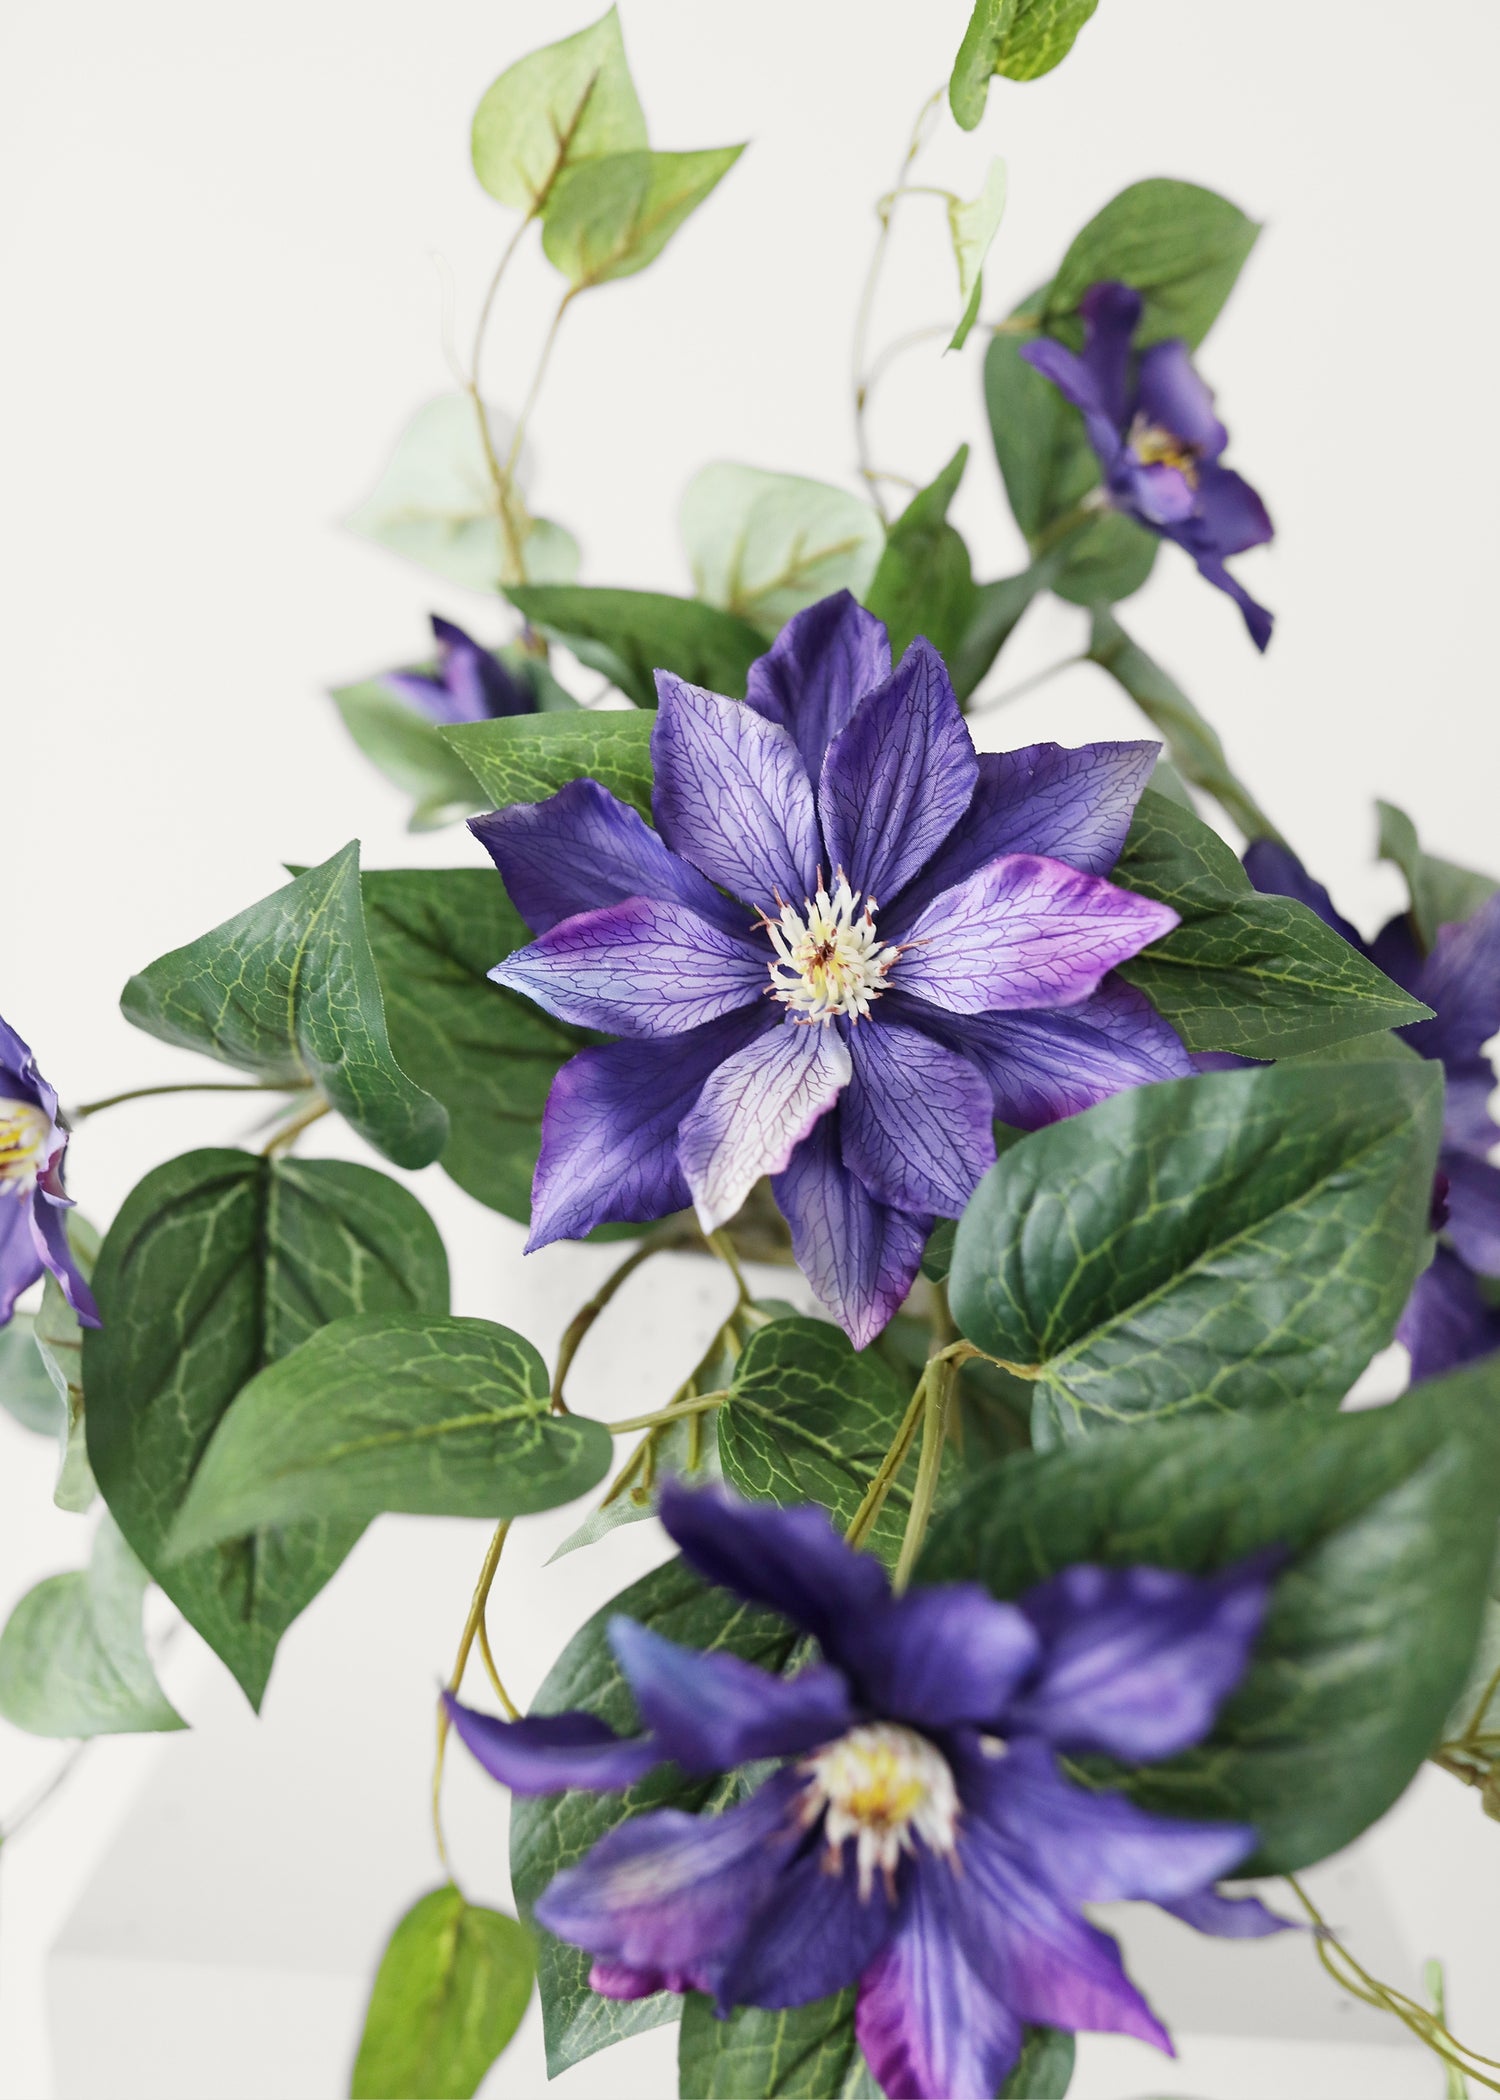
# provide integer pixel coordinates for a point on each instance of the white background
(221, 249)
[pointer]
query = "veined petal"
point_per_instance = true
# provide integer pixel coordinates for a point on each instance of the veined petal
(19, 1078)
(582, 849)
(898, 778)
(609, 1131)
(1228, 1917)
(732, 796)
(548, 1753)
(940, 1657)
(860, 1255)
(816, 672)
(1024, 932)
(1171, 395)
(812, 1938)
(49, 1233)
(20, 1257)
(917, 1120)
(1276, 872)
(753, 1111)
(1461, 983)
(1447, 1321)
(711, 1712)
(641, 968)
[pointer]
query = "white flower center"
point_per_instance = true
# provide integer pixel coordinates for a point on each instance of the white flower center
(885, 1787)
(24, 1132)
(828, 960)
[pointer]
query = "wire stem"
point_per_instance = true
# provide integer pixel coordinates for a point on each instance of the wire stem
(519, 437)
(699, 1404)
(658, 1242)
(865, 1517)
(1029, 685)
(180, 1086)
(282, 1140)
(473, 1626)
(937, 1386)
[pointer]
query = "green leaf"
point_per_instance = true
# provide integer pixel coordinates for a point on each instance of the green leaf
(1044, 2070)
(1259, 976)
(287, 990)
(219, 1263)
(1239, 1240)
(59, 1339)
(762, 546)
(973, 227)
(1021, 39)
(608, 218)
(924, 584)
(1442, 893)
(808, 2053)
(628, 635)
(27, 1392)
(809, 1420)
(1193, 742)
(380, 1411)
(548, 1835)
(450, 1991)
(410, 751)
(72, 1658)
(570, 101)
(1388, 1520)
(996, 613)
(1181, 247)
(488, 1055)
(526, 758)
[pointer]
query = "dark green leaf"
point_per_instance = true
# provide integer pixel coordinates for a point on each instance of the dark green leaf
(1259, 976)
(1239, 1240)
(1442, 893)
(548, 1835)
(1021, 39)
(924, 584)
(609, 217)
(1045, 2068)
(1179, 246)
(1388, 1519)
(526, 758)
(628, 635)
(996, 614)
(449, 1993)
(26, 1389)
(1193, 742)
(570, 101)
(762, 546)
(287, 990)
(384, 1411)
(808, 2053)
(72, 1658)
(219, 1263)
(59, 1340)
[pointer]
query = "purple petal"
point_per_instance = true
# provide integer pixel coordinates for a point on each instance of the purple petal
(860, 1255)
(732, 796)
(927, 2027)
(609, 1131)
(547, 1753)
(1111, 313)
(1446, 1321)
(1076, 383)
(1461, 983)
(754, 1109)
(812, 1938)
(1048, 1064)
(19, 1078)
(711, 1712)
(818, 669)
(1395, 950)
(616, 1979)
(1228, 1917)
(1024, 932)
(1230, 516)
(670, 1891)
(1068, 805)
(1473, 1210)
(49, 1232)
(917, 1121)
(940, 1657)
(1137, 1661)
(791, 1561)
(1467, 1123)
(581, 849)
(1158, 495)
(471, 686)
(1172, 396)
(1276, 872)
(898, 778)
(20, 1259)
(640, 968)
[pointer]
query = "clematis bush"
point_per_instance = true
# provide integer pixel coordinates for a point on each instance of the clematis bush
(1065, 1153)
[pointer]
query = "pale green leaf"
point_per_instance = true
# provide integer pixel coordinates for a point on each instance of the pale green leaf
(27, 1392)
(608, 218)
(59, 1341)
(765, 545)
(571, 101)
(973, 227)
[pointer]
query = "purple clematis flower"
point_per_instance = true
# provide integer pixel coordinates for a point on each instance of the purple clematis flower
(1448, 1318)
(471, 684)
(918, 1837)
(33, 1230)
(914, 941)
(1158, 440)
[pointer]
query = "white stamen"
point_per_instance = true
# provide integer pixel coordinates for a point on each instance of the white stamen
(828, 960)
(24, 1132)
(885, 1787)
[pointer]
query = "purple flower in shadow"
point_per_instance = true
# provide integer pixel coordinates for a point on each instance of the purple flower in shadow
(33, 1202)
(919, 1837)
(471, 685)
(849, 944)
(1448, 1318)
(1151, 421)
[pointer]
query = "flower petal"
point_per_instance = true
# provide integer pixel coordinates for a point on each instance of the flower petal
(732, 795)
(811, 1939)
(1111, 313)
(754, 1109)
(1137, 1661)
(898, 778)
(927, 2027)
(20, 1257)
(1228, 1917)
(49, 1234)
(917, 1120)
(616, 1979)
(1230, 516)
(1461, 983)
(1447, 1321)
(1473, 1209)
(860, 1255)
(1024, 932)
(816, 672)
(940, 1657)
(640, 968)
(710, 1712)
(1468, 1125)
(581, 849)
(1171, 395)
(609, 1130)
(548, 1753)
(1276, 872)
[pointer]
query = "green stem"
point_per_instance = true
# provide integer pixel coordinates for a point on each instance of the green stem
(283, 1139)
(866, 1516)
(473, 1626)
(1029, 685)
(535, 388)
(181, 1086)
(1092, 506)
(658, 1242)
(699, 1404)
(937, 1381)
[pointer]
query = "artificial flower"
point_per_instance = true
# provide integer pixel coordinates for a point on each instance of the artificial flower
(33, 1202)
